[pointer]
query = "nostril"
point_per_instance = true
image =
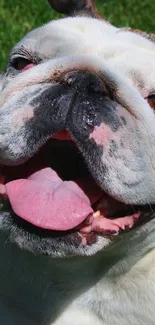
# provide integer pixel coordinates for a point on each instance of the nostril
(96, 84)
(84, 81)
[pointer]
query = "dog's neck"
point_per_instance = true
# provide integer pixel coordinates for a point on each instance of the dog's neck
(39, 285)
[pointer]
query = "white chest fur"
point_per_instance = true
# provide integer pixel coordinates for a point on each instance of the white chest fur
(129, 298)
(121, 300)
(31, 291)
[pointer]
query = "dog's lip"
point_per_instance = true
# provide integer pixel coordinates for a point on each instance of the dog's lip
(63, 135)
(97, 222)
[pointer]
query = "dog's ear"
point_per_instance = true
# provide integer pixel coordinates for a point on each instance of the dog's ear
(76, 7)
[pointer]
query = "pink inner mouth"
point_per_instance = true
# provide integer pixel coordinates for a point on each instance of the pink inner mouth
(47, 201)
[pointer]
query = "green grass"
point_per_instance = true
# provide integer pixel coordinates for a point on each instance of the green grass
(19, 17)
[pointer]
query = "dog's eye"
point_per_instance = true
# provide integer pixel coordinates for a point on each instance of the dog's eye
(151, 101)
(22, 64)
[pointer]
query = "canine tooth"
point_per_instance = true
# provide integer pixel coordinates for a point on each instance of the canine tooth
(97, 214)
(116, 233)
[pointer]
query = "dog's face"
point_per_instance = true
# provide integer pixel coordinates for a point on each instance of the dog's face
(77, 136)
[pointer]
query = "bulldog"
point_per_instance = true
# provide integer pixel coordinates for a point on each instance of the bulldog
(77, 185)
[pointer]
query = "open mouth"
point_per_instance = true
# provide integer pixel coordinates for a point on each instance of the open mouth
(55, 191)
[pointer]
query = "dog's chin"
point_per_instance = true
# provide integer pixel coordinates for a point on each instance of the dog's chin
(106, 221)
(50, 243)
(59, 244)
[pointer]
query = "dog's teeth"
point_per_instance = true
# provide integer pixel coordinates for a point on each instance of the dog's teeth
(97, 214)
(116, 233)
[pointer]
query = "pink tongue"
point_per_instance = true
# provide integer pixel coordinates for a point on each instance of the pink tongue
(46, 201)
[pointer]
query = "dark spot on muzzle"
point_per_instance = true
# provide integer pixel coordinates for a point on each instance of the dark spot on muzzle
(78, 102)
(75, 94)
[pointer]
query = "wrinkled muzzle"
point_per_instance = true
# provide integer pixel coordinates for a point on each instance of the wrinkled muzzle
(103, 114)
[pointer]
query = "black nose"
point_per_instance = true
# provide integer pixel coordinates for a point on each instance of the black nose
(84, 81)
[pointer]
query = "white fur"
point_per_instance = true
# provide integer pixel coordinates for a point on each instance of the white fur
(125, 292)
(126, 58)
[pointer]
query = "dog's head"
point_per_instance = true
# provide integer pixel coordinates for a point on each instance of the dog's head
(77, 134)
